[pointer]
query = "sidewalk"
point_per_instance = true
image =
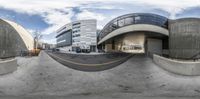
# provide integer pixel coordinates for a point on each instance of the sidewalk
(41, 77)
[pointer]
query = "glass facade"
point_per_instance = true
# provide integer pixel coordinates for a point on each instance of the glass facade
(64, 39)
(129, 43)
(136, 18)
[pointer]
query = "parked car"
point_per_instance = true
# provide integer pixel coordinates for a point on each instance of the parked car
(78, 50)
(85, 50)
(55, 50)
(101, 51)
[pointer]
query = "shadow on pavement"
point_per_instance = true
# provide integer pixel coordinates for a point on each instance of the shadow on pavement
(90, 62)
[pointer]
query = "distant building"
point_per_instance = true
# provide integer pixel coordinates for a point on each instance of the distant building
(14, 39)
(78, 35)
(47, 46)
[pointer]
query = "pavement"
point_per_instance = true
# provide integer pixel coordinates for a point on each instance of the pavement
(42, 77)
(21, 81)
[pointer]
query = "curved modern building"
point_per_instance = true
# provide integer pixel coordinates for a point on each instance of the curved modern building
(135, 33)
(13, 39)
(152, 34)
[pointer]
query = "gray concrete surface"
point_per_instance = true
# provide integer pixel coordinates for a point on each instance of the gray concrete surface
(138, 77)
(8, 66)
(179, 67)
(23, 80)
(13, 39)
(102, 96)
(184, 39)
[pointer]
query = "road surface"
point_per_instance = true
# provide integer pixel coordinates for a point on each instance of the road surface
(90, 62)
(138, 77)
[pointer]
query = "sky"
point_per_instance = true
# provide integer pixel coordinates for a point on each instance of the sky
(46, 16)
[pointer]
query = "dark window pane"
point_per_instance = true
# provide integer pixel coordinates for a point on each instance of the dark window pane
(137, 19)
(121, 22)
(128, 21)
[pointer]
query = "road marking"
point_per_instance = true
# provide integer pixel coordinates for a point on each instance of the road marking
(89, 64)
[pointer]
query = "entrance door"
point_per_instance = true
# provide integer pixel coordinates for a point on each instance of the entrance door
(154, 46)
(93, 48)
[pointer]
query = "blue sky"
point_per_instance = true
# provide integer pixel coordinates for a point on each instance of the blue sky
(47, 16)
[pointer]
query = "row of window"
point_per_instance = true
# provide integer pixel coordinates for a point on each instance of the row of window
(76, 35)
(76, 27)
(75, 24)
(64, 39)
(134, 19)
(76, 31)
(61, 29)
(75, 40)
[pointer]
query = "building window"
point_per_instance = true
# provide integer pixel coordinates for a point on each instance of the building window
(76, 27)
(76, 35)
(128, 21)
(121, 22)
(114, 25)
(137, 19)
(75, 24)
(75, 31)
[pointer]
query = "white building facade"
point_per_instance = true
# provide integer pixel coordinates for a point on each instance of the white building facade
(78, 35)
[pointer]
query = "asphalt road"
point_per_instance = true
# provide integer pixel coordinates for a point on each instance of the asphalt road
(138, 78)
(90, 62)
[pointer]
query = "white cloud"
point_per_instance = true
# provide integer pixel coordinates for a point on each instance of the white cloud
(55, 13)
(46, 8)
(31, 31)
(172, 6)
(57, 19)
(35, 6)
(50, 41)
(85, 14)
(59, 12)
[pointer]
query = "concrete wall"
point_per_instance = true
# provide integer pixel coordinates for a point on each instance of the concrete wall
(178, 67)
(184, 39)
(13, 39)
(108, 47)
(23, 33)
(8, 66)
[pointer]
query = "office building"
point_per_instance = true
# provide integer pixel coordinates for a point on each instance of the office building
(77, 35)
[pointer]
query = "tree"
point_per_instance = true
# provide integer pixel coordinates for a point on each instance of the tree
(37, 37)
